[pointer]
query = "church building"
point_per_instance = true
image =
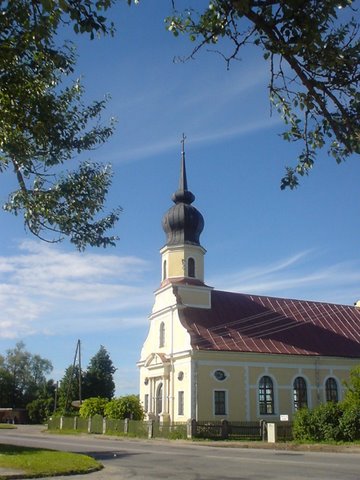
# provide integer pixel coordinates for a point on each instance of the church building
(214, 355)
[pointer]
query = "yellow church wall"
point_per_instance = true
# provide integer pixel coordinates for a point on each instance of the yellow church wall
(192, 296)
(182, 383)
(243, 372)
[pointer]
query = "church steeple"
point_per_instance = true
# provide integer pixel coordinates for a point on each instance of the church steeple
(183, 194)
(182, 255)
(183, 223)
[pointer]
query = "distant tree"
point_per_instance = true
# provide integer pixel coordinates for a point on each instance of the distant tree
(93, 406)
(312, 52)
(24, 376)
(128, 406)
(6, 384)
(40, 410)
(98, 378)
(69, 389)
(45, 122)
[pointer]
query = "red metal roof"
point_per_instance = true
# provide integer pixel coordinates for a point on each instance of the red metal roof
(250, 323)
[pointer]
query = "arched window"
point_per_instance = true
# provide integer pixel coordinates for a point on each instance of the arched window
(162, 334)
(191, 267)
(300, 393)
(164, 276)
(331, 390)
(266, 396)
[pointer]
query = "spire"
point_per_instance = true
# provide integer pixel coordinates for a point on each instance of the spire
(183, 195)
(182, 223)
(183, 179)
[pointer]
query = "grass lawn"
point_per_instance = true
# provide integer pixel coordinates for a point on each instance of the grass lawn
(7, 425)
(37, 462)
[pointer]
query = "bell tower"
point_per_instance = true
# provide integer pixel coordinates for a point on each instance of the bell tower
(182, 256)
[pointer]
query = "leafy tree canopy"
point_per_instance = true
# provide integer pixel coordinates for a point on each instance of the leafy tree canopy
(43, 125)
(312, 51)
(22, 377)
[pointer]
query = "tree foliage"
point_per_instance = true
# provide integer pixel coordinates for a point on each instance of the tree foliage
(44, 125)
(93, 406)
(69, 389)
(96, 381)
(40, 409)
(312, 51)
(352, 396)
(128, 406)
(98, 378)
(332, 421)
(22, 376)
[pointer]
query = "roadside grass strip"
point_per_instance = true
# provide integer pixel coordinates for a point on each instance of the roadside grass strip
(7, 426)
(37, 463)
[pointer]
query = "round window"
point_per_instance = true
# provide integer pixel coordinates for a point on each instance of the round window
(180, 375)
(146, 381)
(220, 375)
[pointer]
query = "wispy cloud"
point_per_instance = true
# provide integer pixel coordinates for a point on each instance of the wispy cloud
(74, 290)
(296, 276)
(197, 104)
(200, 137)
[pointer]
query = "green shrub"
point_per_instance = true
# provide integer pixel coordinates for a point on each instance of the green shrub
(93, 406)
(350, 424)
(326, 419)
(40, 410)
(352, 395)
(303, 426)
(320, 424)
(128, 406)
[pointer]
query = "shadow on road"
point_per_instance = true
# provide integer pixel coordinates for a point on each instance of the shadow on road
(111, 455)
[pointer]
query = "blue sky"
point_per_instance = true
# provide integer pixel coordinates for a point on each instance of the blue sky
(300, 244)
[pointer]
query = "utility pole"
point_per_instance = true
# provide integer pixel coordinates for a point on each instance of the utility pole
(77, 356)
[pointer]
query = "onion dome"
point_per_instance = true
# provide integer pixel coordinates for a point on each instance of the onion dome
(183, 223)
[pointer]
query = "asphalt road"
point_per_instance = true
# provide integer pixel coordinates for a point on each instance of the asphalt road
(156, 459)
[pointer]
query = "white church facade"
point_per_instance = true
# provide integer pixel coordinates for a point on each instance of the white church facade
(214, 355)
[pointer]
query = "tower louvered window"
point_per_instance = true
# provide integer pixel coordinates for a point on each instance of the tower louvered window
(191, 267)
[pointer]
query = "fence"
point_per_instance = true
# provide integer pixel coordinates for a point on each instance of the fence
(131, 428)
(248, 431)
(228, 430)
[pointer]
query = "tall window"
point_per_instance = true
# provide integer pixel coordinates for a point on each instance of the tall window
(220, 402)
(331, 390)
(191, 267)
(164, 270)
(146, 402)
(266, 396)
(162, 334)
(181, 403)
(159, 398)
(300, 393)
